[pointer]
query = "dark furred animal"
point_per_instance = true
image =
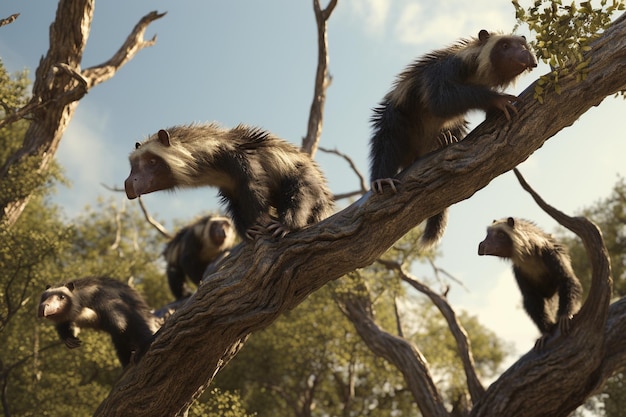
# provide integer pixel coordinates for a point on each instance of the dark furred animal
(104, 304)
(269, 185)
(193, 248)
(426, 108)
(542, 269)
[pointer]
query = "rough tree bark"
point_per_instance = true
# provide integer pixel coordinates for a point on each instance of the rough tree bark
(58, 86)
(261, 280)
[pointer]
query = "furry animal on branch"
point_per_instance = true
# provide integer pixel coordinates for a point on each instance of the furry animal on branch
(543, 272)
(425, 110)
(100, 303)
(193, 248)
(268, 184)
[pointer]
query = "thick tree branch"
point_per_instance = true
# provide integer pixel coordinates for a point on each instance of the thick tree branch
(58, 86)
(322, 79)
(398, 351)
(261, 280)
(464, 349)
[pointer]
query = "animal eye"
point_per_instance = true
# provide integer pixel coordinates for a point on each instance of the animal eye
(505, 45)
(62, 297)
(153, 161)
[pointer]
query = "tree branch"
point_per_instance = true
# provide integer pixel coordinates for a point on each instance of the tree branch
(133, 44)
(9, 19)
(463, 344)
(363, 184)
(539, 375)
(58, 86)
(262, 279)
(322, 80)
(401, 353)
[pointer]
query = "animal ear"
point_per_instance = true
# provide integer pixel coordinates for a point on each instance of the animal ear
(164, 137)
(137, 145)
(483, 35)
(511, 222)
(70, 286)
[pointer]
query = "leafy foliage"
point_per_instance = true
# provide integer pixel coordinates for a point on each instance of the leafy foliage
(563, 33)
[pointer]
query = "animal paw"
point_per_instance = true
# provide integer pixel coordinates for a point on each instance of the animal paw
(72, 342)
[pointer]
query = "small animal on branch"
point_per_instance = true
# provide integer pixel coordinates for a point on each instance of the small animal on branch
(104, 304)
(426, 108)
(269, 186)
(193, 248)
(543, 272)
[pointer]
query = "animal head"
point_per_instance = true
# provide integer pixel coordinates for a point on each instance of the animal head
(149, 168)
(56, 302)
(502, 58)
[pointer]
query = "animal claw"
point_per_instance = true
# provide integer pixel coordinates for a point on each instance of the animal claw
(377, 185)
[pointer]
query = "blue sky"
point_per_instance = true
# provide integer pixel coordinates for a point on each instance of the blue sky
(254, 62)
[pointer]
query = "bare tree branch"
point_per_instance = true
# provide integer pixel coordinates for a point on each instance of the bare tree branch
(133, 44)
(9, 19)
(58, 86)
(322, 79)
(464, 348)
(363, 184)
(158, 226)
(401, 353)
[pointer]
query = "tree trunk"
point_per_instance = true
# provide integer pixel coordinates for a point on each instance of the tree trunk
(263, 279)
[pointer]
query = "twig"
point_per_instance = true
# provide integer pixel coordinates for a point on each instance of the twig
(355, 169)
(9, 19)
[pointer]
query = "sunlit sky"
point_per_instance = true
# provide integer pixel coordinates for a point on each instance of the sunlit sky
(254, 62)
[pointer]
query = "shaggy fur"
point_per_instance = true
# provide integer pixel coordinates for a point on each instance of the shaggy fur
(104, 304)
(268, 184)
(542, 269)
(426, 108)
(193, 248)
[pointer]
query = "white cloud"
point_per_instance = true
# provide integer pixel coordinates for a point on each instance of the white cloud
(85, 155)
(373, 12)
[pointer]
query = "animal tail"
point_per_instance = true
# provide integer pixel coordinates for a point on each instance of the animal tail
(433, 231)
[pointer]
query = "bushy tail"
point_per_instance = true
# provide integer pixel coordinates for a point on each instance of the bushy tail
(433, 231)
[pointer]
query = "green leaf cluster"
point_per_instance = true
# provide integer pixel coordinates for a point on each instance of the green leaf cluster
(563, 33)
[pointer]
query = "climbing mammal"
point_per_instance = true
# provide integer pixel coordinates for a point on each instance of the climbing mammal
(193, 248)
(426, 108)
(269, 185)
(100, 303)
(543, 272)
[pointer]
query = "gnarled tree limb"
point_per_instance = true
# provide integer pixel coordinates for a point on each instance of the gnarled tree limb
(58, 86)
(401, 353)
(464, 349)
